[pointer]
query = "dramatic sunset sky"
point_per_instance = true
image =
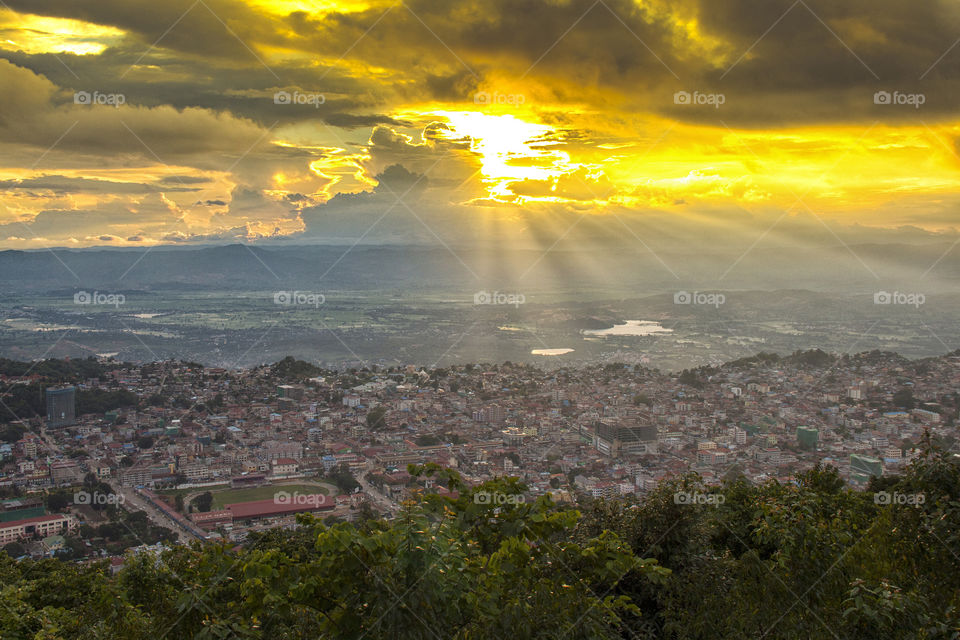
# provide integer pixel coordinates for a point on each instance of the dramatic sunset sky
(138, 122)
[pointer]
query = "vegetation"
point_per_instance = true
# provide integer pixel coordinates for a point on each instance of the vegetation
(292, 370)
(806, 559)
(203, 502)
(54, 370)
(101, 401)
(344, 480)
(376, 418)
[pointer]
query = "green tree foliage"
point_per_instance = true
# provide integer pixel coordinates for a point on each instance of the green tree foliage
(57, 371)
(11, 433)
(203, 502)
(102, 400)
(806, 559)
(341, 476)
(292, 370)
(375, 418)
(904, 399)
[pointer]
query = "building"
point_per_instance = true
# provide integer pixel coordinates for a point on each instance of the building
(249, 480)
(21, 508)
(210, 520)
(66, 473)
(136, 476)
(284, 466)
(290, 391)
(41, 526)
(289, 504)
(807, 437)
(61, 406)
(863, 467)
(614, 438)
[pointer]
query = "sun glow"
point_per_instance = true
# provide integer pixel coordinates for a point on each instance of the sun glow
(40, 34)
(508, 148)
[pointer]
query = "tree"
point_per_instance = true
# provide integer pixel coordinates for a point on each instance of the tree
(203, 502)
(642, 398)
(12, 433)
(145, 442)
(376, 418)
(810, 558)
(904, 399)
(343, 478)
(57, 501)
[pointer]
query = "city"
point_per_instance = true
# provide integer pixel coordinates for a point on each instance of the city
(267, 443)
(479, 320)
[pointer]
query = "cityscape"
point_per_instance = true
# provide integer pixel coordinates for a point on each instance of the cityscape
(479, 320)
(267, 443)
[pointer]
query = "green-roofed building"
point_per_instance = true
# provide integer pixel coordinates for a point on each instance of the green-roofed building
(21, 508)
(862, 468)
(807, 437)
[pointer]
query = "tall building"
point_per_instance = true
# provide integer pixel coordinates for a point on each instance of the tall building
(863, 467)
(615, 437)
(807, 437)
(61, 406)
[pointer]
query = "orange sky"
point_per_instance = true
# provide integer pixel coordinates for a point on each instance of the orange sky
(132, 124)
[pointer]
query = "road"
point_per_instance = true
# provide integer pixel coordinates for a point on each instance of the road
(132, 501)
(383, 503)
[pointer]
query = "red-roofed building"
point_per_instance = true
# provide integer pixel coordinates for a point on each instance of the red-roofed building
(210, 520)
(42, 526)
(284, 466)
(281, 505)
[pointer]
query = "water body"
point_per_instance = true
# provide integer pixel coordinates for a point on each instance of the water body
(550, 352)
(630, 328)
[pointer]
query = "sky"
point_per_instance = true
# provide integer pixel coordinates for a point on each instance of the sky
(528, 122)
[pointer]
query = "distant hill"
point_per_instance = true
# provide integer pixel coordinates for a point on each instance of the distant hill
(438, 268)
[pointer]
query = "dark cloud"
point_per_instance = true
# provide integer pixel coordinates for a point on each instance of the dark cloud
(221, 28)
(776, 62)
(184, 180)
(64, 184)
